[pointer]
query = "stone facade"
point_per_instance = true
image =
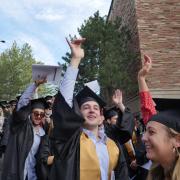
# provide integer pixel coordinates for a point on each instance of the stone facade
(155, 29)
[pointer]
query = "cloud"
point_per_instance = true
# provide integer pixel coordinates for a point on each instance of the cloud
(40, 50)
(51, 10)
(49, 14)
(15, 11)
(45, 23)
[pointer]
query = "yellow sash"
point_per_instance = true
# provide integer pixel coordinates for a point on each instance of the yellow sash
(89, 163)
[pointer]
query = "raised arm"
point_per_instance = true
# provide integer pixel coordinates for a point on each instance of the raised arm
(68, 82)
(143, 72)
(146, 101)
(123, 129)
(118, 100)
(66, 121)
(28, 94)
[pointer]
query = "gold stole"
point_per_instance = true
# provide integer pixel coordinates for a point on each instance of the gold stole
(134, 138)
(89, 163)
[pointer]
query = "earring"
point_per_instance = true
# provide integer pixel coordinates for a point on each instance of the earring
(175, 150)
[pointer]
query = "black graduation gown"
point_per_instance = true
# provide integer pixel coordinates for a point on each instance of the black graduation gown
(45, 150)
(121, 133)
(6, 131)
(123, 130)
(19, 145)
(66, 132)
(66, 135)
(121, 171)
(5, 135)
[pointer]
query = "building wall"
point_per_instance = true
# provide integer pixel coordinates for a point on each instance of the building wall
(155, 29)
(159, 36)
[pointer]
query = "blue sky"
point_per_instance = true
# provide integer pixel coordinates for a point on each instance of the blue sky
(44, 24)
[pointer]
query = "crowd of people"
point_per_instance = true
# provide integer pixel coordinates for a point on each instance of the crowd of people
(81, 137)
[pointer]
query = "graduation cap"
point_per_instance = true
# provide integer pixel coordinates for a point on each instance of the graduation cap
(4, 104)
(110, 112)
(169, 118)
(18, 97)
(165, 104)
(169, 113)
(86, 95)
(13, 102)
(39, 103)
(49, 97)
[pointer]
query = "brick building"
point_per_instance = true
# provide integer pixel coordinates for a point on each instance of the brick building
(155, 30)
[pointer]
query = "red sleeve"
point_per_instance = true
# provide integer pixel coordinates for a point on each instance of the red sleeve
(147, 106)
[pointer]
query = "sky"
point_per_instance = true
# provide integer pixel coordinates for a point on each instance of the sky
(44, 24)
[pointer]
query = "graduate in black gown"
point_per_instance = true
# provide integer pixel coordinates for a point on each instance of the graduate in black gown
(25, 135)
(82, 151)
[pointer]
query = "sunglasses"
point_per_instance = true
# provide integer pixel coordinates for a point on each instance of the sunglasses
(37, 114)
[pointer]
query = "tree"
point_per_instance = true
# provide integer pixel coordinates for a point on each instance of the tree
(107, 56)
(16, 70)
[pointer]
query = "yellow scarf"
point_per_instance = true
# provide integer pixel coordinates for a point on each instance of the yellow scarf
(89, 163)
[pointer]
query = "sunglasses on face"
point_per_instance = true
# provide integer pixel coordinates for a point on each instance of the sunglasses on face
(38, 114)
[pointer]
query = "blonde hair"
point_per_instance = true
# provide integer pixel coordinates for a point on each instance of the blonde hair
(157, 172)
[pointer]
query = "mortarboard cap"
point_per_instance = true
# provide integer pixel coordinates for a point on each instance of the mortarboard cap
(169, 113)
(110, 112)
(12, 102)
(38, 103)
(18, 97)
(49, 97)
(86, 95)
(169, 118)
(163, 104)
(4, 104)
(94, 86)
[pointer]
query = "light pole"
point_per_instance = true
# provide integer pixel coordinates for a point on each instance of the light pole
(2, 41)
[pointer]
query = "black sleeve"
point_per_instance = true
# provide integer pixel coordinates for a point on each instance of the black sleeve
(123, 129)
(42, 169)
(66, 121)
(141, 154)
(6, 131)
(44, 149)
(121, 171)
(20, 117)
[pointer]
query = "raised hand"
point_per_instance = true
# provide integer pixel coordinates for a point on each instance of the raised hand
(117, 99)
(41, 81)
(76, 50)
(146, 66)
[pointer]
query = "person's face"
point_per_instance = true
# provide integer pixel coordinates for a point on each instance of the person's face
(37, 116)
(91, 113)
(48, 112)
(113, 120)
(159, 145)
(13, 106)
(6, 109)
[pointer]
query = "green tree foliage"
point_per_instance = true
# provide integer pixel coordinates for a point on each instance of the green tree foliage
(15, 70)
(47, 89)
(107, 57)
